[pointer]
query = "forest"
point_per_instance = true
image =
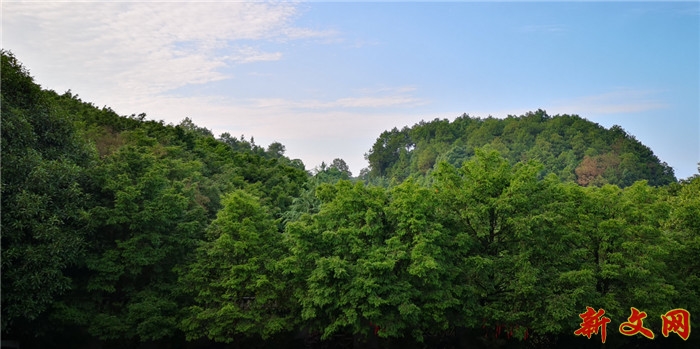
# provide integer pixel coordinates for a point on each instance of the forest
(124, 232)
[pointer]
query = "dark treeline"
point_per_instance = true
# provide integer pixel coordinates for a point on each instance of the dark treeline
(120, 232)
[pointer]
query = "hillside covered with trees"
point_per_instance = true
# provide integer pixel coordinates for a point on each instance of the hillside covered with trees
(123, 232)
(569, 146)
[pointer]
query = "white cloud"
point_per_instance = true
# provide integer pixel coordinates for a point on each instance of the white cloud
(303, 33)
(129, 55)
(145, 48)
(250, 54)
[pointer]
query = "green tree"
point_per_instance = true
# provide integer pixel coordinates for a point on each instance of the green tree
(683, 227)
(145, 221)
(340, 165)
(503, 224)
(276, 149)
(43, 203)
(616, 253)
(422, 288)
(236, 287)
(188, 125)
(386, 150)
(335, 269)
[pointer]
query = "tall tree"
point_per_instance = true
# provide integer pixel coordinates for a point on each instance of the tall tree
(335, 267)
(237, 289)
(43, 204)
(683, 226)
(342, 166)
(616, 253)
(145, 221)
(503, 226)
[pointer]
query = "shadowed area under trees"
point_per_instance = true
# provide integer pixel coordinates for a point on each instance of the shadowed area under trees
(118, 231)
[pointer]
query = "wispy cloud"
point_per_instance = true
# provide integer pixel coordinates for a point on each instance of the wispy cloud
(145, 48)
(250, 54)
(618, 102)
(621, 101)
(367, 98)
(375, 102)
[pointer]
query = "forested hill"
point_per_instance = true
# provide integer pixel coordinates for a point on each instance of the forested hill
(120, 232)
(573, 148)
(98, 210)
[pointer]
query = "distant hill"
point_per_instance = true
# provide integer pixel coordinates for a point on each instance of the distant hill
(572, 147)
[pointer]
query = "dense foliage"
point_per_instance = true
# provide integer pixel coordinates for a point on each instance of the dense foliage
(570, 147)
(122, 232)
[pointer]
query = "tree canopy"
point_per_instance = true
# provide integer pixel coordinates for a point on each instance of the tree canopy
(118, 231)
(569, 146)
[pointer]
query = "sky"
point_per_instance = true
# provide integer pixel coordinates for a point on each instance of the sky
(326, 78)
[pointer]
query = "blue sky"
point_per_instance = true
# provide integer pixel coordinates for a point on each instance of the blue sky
(326, 78)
